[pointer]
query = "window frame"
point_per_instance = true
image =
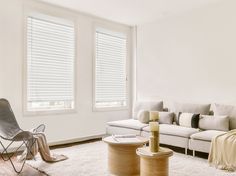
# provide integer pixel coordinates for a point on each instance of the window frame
(63, 18)
(126, 32)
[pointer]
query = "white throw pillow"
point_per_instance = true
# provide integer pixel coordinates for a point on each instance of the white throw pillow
(208, 122)
(188, 120)
(166, 117)
(143, 116)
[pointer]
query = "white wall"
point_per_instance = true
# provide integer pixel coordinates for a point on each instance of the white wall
(189, 57)
(85, 122)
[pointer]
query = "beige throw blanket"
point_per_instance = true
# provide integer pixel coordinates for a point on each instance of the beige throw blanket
(223, 151)
(41, 146)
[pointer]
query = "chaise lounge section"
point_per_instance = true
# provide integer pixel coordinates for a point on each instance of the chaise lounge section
(224, 119)
(201, 141)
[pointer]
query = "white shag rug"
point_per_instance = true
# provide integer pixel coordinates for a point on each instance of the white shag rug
(90, 159)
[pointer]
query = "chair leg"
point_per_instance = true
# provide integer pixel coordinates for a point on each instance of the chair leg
(193, 153)
(186, 151)
(10, 155)
(9, 158)
(14, 167)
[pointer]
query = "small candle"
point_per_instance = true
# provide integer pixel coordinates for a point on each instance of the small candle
(154, 116)
(154, 126)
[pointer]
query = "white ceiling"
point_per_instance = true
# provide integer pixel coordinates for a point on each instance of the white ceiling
(132, 12)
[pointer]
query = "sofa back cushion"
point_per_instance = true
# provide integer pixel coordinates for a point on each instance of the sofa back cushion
(148, 106)
(190, 108)
(228, 110)
(208, 122)
(188, 120)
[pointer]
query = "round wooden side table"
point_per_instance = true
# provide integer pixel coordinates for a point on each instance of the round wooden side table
(154, 164)
(122, 158)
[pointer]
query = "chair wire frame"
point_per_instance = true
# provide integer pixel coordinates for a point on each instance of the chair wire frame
(10, 131)
(8, 156)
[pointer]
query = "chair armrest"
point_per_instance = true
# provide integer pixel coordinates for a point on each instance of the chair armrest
(40, 128)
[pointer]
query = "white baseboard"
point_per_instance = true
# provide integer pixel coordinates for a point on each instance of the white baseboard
(81, 139)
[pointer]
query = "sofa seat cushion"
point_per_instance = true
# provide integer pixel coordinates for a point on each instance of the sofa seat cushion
(175, 130)
(129, 123)
(206, 135)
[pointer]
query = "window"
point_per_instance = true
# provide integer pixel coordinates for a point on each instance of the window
(50, 64)
(110, 69)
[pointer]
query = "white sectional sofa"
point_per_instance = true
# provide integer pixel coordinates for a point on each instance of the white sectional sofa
(196, 139)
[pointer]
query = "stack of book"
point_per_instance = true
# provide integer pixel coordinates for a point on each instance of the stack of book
(128, 138)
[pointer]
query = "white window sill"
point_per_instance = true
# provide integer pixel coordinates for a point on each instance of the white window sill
(48, 112)
(121, 108)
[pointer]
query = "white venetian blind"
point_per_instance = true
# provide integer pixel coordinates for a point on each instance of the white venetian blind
(110, 74)
(50, 65)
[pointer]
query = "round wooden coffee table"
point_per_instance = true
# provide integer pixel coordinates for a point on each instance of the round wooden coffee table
(154, 164)
(122, 158)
